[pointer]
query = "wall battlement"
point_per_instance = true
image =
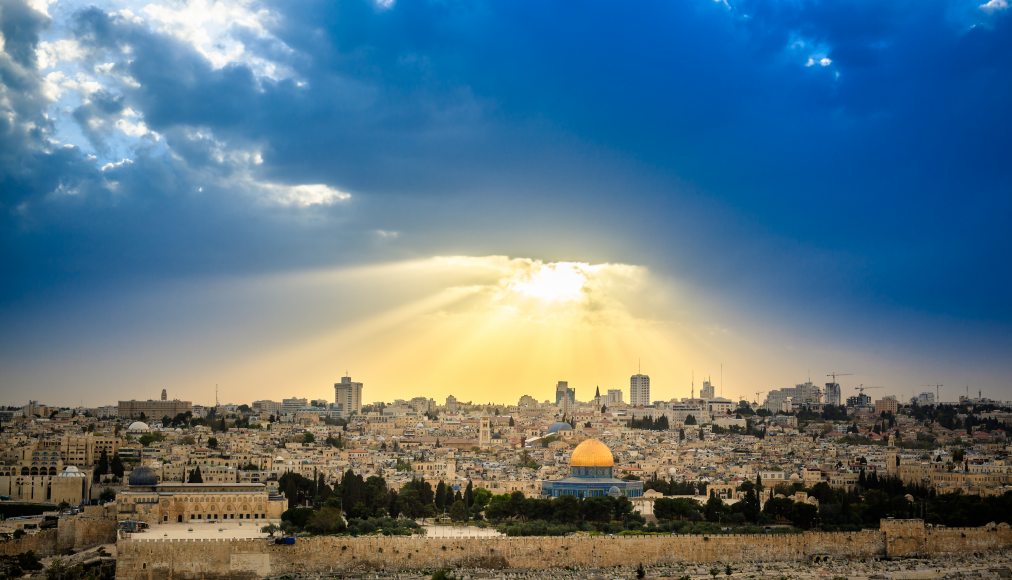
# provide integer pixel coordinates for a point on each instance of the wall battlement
(196, 558)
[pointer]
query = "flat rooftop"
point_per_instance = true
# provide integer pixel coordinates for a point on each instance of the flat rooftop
(204, 531)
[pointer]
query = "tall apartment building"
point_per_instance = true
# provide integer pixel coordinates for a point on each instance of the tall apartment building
(639, 390)
(786, 398)
(348, 395)
(833, 394)
(707, 392)
(779, 400)
(564, 395)
(807, 393)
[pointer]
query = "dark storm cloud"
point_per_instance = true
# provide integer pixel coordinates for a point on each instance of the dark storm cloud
(691, 133)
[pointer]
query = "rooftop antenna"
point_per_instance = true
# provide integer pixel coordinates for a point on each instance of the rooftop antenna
(215, 394)
(938, 393)
(639, 366)
(722, 380)
(692, 395)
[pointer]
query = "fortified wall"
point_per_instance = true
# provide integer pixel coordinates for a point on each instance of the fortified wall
(72, 534)
(152, 559)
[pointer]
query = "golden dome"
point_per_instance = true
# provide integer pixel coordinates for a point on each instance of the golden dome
(592, 453)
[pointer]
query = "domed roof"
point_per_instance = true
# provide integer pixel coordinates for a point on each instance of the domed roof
(592, 453)
(138, 426)
(559, 426)
(71, 471)
(143, 476)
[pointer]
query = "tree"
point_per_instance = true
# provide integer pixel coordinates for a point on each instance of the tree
(103, 466)
(640, 572)
(804, 515)
(116, 466)
(149, 438)
(212, 442)
(779, 508)
(681, 434)
(440, 496)
(469, 495)
(308, 438)
(714, 508)
(749, 505)
(270, 529)
(676, 508)
(458, 511)
(481, 498)
(195, 476)
(107, 495)
(327, 520)
(690, 420)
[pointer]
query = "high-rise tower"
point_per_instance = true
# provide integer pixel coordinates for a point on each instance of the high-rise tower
(349, 396)
(639, 390)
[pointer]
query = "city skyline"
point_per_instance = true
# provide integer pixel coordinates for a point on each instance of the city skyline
(485, 199)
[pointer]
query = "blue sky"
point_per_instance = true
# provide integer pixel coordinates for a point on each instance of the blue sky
(837, 171)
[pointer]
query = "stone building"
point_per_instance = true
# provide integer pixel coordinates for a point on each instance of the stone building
(591, 474)
(148, 501)
(153, 410)
(45, 484)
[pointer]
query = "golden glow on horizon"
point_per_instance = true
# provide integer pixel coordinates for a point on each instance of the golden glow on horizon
(553, 282)
(483, 328)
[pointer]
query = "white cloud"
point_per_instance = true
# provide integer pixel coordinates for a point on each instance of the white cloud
(215, 29)
(995, 6)
(387, 234)
(304, 195)
(41, 6)
(52, 53)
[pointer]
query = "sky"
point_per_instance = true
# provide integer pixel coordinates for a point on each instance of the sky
(483, 198)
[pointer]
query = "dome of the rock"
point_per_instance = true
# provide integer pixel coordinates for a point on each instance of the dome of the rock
(592, 453)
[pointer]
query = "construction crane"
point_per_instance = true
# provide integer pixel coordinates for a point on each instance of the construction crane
(835, 374)
(938, 393)
(862, 388)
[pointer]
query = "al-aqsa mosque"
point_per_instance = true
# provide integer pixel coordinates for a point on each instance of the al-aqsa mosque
(591, 474)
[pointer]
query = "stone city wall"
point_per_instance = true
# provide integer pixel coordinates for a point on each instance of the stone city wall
(913, 538)
(71, 535)
(150, 559)
(43, 543)
(140, 558)
(82, 532)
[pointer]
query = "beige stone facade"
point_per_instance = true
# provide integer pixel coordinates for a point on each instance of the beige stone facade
(199, 502)
(333, 555)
